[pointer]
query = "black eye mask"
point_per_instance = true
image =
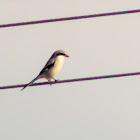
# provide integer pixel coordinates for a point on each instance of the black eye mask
(60, 54)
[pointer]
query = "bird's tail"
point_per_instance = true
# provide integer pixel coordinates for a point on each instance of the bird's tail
(30, 83)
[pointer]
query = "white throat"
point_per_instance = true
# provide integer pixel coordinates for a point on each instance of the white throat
(60, 58)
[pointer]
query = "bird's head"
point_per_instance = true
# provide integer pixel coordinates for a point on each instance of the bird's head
(60, 53)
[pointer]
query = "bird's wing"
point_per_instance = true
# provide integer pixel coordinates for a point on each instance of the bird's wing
(48, 65)
(46, 68)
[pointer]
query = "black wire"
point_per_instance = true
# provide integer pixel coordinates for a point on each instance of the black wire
(75, 80)
(70, 18)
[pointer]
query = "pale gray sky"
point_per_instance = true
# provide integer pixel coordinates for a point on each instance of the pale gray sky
(91, 110)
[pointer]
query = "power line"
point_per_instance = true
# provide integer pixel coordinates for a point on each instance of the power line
(70, 18)
(75, 80)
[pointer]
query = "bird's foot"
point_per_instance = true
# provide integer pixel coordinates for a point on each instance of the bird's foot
(50, 82)
(56, 80)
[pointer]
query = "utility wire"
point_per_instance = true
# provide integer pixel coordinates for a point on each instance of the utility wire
(75, 80)
(70, 18)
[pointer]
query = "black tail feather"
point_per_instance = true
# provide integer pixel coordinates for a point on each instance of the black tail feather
(30, 83)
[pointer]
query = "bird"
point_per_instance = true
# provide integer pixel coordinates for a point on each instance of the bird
(52, 67)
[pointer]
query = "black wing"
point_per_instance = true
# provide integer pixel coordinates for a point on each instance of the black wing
(46, 68)
(49, 64)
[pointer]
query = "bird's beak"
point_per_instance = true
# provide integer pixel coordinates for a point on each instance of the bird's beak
(66, 55)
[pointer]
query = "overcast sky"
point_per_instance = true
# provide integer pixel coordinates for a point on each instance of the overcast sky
(90, 110)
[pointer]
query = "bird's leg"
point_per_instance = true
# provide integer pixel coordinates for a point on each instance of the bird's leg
(50, 82)
(55, 80)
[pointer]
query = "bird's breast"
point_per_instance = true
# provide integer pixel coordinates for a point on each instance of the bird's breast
(57, 66)
(59, 63)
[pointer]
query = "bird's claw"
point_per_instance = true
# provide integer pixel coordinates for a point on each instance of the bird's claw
(51, 82)
(56, 80)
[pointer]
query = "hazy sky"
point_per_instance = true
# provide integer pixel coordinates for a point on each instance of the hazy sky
(90, 110)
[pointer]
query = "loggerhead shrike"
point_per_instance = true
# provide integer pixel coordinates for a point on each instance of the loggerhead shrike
(52, 67)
